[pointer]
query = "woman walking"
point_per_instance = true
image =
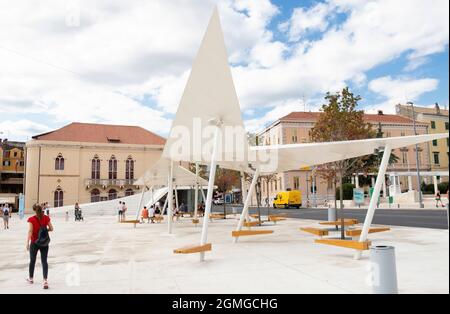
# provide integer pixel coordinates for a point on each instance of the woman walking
(38, 240)
(438, 199)
(6, 215)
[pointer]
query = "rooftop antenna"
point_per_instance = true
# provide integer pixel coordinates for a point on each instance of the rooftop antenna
(304, 102)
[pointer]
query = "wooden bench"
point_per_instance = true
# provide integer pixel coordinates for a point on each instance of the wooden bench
(246, 233)
(347, 222)
(195, 221)
(130, 222)
(350, 244)
(252, 223)
(216, 216)
(357, 232)
(194, 249)
(158, 219)
(316, 231)
(256, 216)
(275, 219)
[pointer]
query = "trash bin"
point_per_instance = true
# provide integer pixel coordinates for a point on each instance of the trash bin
(332, 214)
(384, 270)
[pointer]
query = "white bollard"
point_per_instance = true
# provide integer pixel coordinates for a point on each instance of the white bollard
(384, 270)
(332, 214)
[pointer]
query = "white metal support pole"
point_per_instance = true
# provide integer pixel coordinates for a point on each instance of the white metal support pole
(410, 184)
(170, 199)
(435, 183)
(244, 193)
(176, 198)
(247, 202)
(165, 204)
(138, 211)
(357, 181)
(374, 199)
(196, 191)
(203, 195)
(209, 196)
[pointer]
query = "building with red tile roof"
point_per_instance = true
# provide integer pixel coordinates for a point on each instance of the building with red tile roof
(85, 162)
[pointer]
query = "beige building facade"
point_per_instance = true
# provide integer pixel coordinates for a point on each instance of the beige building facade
(82, 163)
(438, 121)
(294, 128)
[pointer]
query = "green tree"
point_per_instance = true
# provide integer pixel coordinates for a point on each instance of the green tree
(341, 121)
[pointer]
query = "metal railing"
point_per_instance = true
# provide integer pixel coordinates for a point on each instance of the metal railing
(109, 182)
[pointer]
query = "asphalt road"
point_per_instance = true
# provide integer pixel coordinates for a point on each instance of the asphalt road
(435, 219)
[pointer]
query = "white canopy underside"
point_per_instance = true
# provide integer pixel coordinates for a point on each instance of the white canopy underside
(296, 156)
(158, 175)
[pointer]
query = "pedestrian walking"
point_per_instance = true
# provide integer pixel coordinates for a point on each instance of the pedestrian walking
(38, 240)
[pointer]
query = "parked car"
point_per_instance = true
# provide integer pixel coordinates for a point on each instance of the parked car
(218, 201)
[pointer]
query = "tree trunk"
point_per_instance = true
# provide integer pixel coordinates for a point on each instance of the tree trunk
(258, 200)
(224, 208)
(341, 196)
(335, 200)
(268, 200)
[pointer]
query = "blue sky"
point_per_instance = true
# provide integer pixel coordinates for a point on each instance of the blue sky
(127, 62)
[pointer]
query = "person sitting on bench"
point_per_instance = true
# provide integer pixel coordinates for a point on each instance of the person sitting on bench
(145, 215)
(152, 214)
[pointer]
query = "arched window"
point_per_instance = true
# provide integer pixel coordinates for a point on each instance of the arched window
(95, 196)
(112, 194)
(112, 173)
(58, 198)
(129, 169)
(59, 162)
(129, 192)
(95, 168)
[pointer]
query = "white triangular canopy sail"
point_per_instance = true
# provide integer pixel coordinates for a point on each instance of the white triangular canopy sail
(208, 99)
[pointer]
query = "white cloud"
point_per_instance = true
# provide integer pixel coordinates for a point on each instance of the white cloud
(127, 62)
(20, 129)
(398, 91)
(305, 20)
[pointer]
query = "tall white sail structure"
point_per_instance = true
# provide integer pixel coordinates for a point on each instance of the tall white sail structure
(209, 101)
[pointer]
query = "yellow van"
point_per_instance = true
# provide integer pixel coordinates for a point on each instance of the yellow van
(288, 199)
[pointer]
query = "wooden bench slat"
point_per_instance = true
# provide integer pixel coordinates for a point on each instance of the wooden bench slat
(245, 233)
(361, 246)
(194, 249)
(347, 222)
(316, 231)
(252, 223)
(357, 232)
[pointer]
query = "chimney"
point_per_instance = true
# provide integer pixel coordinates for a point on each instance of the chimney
(380, 112)
(438, 109)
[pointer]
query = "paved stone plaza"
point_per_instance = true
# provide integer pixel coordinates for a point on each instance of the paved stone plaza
(102, 256)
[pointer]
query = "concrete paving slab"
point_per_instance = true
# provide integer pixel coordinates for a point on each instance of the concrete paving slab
(102, 256)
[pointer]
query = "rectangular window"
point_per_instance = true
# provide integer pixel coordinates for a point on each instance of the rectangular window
(435, 143)
(446, 126)
(433, 125)
(404, 158)
(436, 158)
(448, 142)
(296, 183)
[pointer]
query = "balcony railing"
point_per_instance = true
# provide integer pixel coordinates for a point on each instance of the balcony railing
(109, 182)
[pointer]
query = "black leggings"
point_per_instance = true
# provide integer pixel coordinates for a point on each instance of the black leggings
(33, 254)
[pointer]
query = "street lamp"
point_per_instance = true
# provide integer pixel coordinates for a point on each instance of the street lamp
(417, 157)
